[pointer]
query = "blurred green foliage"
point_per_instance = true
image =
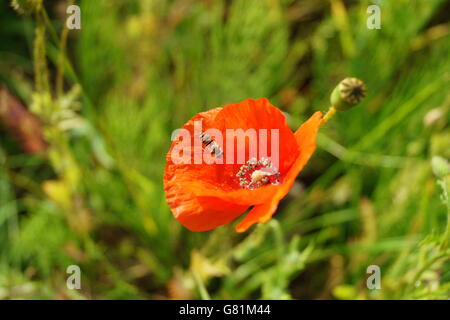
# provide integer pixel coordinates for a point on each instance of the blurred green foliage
(109, 95)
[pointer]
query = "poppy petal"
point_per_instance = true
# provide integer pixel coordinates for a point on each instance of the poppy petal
(259, 213)
(201, 213)
(188, 170)
(256, 115)
(306, 138)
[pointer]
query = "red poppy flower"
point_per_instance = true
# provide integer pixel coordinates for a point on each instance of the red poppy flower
(205, 196)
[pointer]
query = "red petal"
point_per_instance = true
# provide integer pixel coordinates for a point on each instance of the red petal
(258, 114)
(306, 138)
(200, 213)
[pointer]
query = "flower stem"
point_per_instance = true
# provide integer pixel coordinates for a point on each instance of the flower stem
(201, 286)
(330, 113)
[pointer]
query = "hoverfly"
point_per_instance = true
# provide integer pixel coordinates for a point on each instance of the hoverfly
(212, 146)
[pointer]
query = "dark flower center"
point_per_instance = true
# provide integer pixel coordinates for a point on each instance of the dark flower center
(353, 90)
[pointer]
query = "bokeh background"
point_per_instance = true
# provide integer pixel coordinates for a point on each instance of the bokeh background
(85, 122)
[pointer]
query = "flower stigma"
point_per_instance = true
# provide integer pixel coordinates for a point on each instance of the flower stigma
(257, 173)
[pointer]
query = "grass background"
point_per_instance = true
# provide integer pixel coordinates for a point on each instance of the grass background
(109, 95)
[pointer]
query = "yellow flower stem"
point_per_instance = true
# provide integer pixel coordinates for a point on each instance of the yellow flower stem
(330, 113)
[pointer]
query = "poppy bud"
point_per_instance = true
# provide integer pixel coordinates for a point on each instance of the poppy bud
(348, 93)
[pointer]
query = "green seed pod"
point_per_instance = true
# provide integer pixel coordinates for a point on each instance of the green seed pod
(348, 93)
